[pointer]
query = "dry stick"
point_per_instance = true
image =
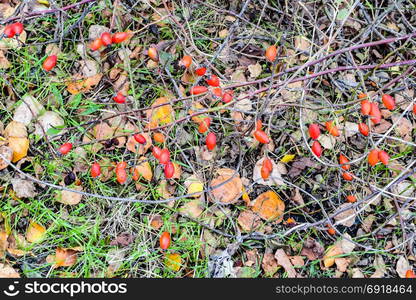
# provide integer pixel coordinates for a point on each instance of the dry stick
(48, 11)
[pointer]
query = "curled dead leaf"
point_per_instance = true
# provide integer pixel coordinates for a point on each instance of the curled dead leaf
(63, 257)
(330, 255)
(77, 86)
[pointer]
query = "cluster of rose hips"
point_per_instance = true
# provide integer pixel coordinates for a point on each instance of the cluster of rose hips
(368, 108)
(106, 39)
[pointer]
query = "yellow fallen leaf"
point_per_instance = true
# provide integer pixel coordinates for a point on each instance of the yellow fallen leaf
(194, 188)
(160, 115)
(143, 169)
(44, 2)
(20, 146)
(269, 206)
(288, 158)
(173, 261)
(194, 185)
(77, 86)
(246, 197)
(330, 255)
(35, 232)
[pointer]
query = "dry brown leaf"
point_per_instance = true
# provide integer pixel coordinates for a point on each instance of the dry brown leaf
(238, 75)
(269, 264)
(269, 206)
(380, 267)
(35, 232)
(142, 170)
(28, 109)
(178, 171)
(404, 127)
(312, 249)
(284, 261)
(156, 221)
(63, 257)
(347, 217)
(15, 129)
(4, 62)
(356, 273)
(6, 10)
(135, 147)
(195, 108)
(7, 271)
(23, 188)
(402, 266)
(255, 70)
(163, 190)
(229, 186)
(302, 43)
(367, 223)
(7, 152)
(223, 33)
(102, 131)
(193, 208)
(68, 197)
(297, 198)
(342, 263)
(4, 243)
(188, 77)
(297, 261)
(346, 246)
(77, 85)
(249, 221)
